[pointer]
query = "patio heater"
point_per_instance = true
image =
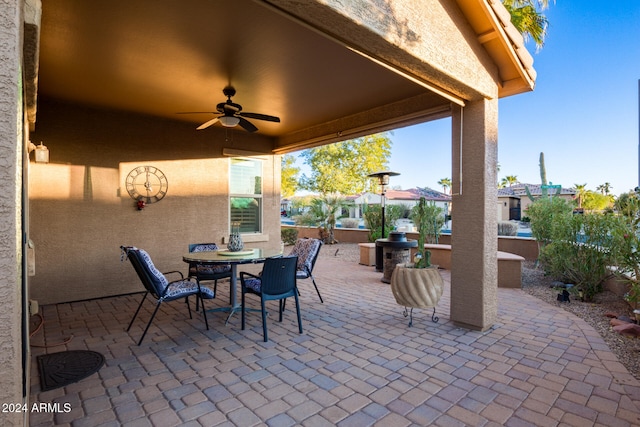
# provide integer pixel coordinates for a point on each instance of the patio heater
(383, 180)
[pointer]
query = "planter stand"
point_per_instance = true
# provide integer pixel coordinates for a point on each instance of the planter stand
(434, 318)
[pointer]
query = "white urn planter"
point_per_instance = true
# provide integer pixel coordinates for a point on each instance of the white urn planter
(417, 288)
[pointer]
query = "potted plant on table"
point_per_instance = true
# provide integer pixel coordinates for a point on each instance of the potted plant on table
(419, 284)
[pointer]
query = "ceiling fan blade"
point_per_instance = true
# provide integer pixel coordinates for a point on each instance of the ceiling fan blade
(247, 125)
(260, 117)
(207, 124)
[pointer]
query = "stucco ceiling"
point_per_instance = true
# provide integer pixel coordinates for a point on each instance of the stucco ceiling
(164, 57)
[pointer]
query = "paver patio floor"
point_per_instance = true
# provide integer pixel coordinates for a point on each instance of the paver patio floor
(356, 364)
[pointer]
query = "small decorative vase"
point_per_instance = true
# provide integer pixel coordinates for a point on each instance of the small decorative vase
(235, 241)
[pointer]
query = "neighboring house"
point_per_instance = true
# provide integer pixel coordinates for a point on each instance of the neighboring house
(513, 201)
(407, 198)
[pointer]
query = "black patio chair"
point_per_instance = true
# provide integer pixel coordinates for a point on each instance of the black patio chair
(277, 281)
(307, 251)
(163, 290)
(208, 272)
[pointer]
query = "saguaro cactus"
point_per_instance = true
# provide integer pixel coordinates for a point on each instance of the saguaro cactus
(543, 179)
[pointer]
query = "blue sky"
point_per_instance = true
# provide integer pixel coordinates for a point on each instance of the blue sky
(583, 113)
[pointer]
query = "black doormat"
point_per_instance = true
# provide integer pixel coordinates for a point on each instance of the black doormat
(67, 367)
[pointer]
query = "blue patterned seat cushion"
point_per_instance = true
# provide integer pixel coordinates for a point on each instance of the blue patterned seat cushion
(195, 269)
(305, 250)
(176, 289)
(183, 288)
(254, 284)
(205, 247)
(209, 269)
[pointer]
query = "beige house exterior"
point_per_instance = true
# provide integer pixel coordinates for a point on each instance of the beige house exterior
(513, 201)
(408, 198)
(100, 85)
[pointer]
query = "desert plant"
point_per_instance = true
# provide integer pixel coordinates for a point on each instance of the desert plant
(429, 220)
(580, 250)
(507, 228)
(372, 215)
(626, 251)
(289, 235)
(543, 180)
(331, 206)
(544, 213)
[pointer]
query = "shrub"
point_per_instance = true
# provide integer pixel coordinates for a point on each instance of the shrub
(429, 219)
(307, 219)
(289, 235)
(627, 256)
(350, 222)
(580, 249)
(545, 213)
(372, 215)
(507, 228)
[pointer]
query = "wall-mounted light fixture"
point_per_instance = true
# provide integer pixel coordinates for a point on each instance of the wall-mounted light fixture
(42, 152)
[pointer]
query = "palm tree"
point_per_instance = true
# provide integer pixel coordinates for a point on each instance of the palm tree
(527, 17)
(581, 191)
(446, 183)
(330, 206)
(604, 188)
(509, 180)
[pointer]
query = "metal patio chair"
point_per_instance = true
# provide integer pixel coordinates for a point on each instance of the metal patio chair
(160, 288)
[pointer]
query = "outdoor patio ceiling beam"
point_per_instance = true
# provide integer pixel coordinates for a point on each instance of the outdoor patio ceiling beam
(486, 37)
(407, 112)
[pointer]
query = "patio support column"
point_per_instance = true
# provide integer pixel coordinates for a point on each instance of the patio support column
(11, 134)
(474, 240)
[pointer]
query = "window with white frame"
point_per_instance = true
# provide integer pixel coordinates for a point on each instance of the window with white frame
(245, 194)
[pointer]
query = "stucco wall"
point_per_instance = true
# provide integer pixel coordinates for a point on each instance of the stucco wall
(81, 212)
(11, 134)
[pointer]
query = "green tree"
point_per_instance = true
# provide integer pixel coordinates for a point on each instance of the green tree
(581, 191)
(604, 188)
(594, 201)
(446, 185)
(289, 175)
(527, 17)
(343, 167)
(628, 205)
(509, 180)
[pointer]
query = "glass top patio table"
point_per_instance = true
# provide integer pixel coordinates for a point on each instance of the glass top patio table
(225, 257)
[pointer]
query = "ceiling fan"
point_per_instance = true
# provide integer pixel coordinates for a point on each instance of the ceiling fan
(232, 114)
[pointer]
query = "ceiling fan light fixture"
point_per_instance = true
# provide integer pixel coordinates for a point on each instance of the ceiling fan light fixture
(229, 121)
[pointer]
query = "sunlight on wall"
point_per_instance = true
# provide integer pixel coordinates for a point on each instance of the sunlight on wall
(186, 178)
(72, 182)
